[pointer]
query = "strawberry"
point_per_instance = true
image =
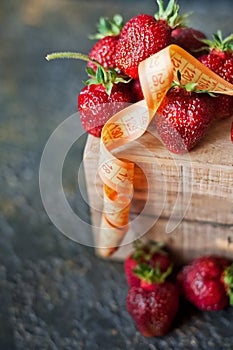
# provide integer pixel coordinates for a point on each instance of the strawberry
(232, 132)
(151, 301)
(190, 40)
(220, 61)
(104, 52)
(108, 34)
(144, 35)
(141, 37)
(96, 107)
(153, 309)
(105, 94)
(149, 254)
(136, 90)
(207, 282)
(183, 117)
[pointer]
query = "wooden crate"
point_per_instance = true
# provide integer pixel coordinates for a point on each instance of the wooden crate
(196, 187)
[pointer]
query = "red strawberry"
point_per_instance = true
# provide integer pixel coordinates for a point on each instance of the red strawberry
(136, 90)
(220, 61)
(203, 283)
(153, 310)
(96, 106)
(129, 266)
(104, 95)
(144, 35)
(232, 132)
(184, 117)
(141, 37)
(189, 40)
(151, 254)
(104, 50)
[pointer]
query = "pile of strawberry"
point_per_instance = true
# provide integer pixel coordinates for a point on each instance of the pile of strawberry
(186, 113)
(122, 46)
(154, 294)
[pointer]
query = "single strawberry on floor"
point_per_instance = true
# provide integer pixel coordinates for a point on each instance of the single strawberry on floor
(154, 305)
(207, 282)
(220, 60)
(148, 253)
(184, 116)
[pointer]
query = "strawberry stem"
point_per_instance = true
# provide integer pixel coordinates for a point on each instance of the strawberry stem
(102, 76)
(72, 55)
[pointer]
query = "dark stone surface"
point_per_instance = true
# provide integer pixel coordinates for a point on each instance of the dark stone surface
(55, 293)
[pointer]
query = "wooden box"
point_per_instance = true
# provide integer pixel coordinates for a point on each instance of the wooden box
(185, 200)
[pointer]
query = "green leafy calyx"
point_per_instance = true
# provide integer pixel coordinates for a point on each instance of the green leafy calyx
(228, 280)
(190, 87)
(170, 14)
(145, 250)
(108, 27)
(152, 275)
(218, 43)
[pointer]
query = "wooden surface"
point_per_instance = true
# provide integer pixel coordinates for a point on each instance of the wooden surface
(193, 191)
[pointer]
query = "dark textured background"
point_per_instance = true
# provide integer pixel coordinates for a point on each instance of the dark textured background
(55, 293)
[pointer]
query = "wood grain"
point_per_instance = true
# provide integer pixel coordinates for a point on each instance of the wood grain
(197, 187)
